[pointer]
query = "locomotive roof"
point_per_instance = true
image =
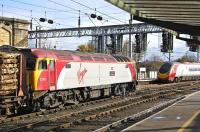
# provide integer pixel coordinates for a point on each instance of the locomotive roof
(56, 53)
(77, 56)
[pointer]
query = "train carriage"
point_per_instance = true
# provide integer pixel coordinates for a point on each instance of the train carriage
(175, 72)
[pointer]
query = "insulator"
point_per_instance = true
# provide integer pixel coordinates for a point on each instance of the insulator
(50, 21)
(93, 15)
(99, 18)
(42, 19)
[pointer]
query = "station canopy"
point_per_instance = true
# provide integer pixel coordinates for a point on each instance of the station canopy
(182, 16)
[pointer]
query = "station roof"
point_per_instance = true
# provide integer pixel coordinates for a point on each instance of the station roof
(182, 16)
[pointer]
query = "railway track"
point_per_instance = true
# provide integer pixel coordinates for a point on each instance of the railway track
(143, 89)
(81, 114)
(136, 117)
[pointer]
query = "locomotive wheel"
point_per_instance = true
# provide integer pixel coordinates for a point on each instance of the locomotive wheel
(117, 90)
(180, 79)
(36, 106)
(176, 80)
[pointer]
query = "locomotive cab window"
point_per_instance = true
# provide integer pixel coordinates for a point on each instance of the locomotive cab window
(51, 65)
(30, 64)
(42, 65)
(165, 68)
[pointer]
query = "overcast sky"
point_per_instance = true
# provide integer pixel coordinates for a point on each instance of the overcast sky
(65, 14)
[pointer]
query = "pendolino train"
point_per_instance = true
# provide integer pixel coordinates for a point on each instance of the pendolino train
(175, 72)
(49, 78)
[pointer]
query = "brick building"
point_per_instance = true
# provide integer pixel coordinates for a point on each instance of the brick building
(14, 32)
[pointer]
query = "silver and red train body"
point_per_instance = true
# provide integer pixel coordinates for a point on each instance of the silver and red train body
(60, 70)
(67, 76)
(175, 72)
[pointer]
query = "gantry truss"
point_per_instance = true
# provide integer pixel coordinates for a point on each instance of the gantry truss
(96, 31)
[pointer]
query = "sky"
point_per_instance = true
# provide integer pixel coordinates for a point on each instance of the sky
(65, 14)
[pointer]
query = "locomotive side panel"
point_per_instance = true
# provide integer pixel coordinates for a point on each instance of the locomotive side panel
(83, 74)
(115, 73)
(76, 74)
(193, 70)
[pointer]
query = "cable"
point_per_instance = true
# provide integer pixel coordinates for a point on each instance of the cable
(96, 10)
(38, 6)
(82, 11)
(34, 18)
(47, 7)
(28, 16)
(15, 7)
(63, 5)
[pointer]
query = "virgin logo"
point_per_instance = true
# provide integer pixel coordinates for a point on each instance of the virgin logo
(80, 74)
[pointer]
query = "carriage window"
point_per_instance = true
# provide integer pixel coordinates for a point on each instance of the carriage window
(42, 65)
(165, 68)
(51, 65)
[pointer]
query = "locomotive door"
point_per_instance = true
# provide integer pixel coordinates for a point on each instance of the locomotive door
(52, 74)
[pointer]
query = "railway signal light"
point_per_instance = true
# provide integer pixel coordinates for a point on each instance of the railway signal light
(144, 42)
(138, 43)
(113, 43)
(193, 48)
(164, 42)
(167, 42)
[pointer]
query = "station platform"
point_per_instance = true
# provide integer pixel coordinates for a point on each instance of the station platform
(183, 116)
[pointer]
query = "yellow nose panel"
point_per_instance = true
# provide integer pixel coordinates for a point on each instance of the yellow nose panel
(162, 75)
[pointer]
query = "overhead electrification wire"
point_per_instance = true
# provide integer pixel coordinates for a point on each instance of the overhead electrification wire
(96, 10)
(14, 7)
(34, 18)
(16, 1)
(63, 5)
(80, 12)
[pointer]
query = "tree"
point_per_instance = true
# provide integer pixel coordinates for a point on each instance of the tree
(187, 58)
(86, 48)
(125, 48)
(153, 63)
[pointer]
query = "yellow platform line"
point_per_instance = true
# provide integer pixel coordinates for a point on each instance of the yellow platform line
(188, 122)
